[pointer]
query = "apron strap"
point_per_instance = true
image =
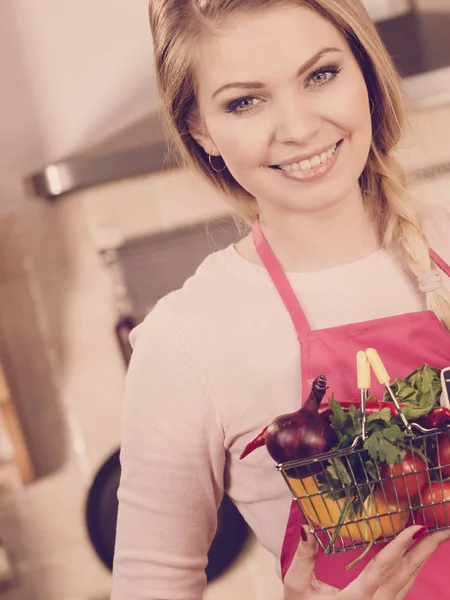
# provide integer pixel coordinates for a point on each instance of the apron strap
(440, 262)
(280, 280)
(283, 286)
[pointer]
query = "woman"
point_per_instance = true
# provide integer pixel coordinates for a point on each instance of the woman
(292, 110)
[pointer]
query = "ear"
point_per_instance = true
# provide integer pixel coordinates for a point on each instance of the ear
(200, 134)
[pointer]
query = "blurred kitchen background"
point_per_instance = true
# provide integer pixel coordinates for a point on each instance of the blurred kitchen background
(97, 223)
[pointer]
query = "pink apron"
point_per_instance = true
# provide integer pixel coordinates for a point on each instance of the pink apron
(405, 343)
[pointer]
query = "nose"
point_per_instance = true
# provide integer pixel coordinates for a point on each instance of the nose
(296, 122)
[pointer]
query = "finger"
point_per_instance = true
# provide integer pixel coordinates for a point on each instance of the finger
(405, 590)
(299, 578)
(426, 545)
(414, 559)
(383, 565)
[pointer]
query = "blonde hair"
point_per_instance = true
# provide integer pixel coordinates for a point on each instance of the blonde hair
(178, 29)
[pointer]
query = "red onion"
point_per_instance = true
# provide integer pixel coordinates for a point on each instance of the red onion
(303, 433)
(300, 434)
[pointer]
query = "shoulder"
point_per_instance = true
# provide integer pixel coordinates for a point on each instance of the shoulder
(193, 308)
(436, 222)
(436, 212)
(166, 363)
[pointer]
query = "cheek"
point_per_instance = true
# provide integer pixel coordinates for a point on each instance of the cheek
(243, 146)
(347, 104)
(244, 152)
(359, 115)
(363, 128)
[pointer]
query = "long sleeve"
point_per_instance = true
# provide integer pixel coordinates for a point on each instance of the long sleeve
(173, 460)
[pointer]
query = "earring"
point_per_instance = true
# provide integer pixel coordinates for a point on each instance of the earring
(212, 166)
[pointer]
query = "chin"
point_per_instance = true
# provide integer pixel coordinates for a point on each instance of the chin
(318, 206)
(311, 203)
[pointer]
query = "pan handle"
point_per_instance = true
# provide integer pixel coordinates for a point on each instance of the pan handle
(123, 329)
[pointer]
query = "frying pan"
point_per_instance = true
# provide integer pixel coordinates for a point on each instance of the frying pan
(101, 518)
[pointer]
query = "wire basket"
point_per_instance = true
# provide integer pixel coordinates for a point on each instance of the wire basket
(357, 506)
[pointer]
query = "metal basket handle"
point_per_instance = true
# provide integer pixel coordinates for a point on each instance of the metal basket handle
(383, 377)
(363, 375)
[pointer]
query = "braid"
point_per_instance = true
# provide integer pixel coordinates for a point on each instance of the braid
(401, 228)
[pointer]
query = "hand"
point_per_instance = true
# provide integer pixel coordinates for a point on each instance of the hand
(389, 575)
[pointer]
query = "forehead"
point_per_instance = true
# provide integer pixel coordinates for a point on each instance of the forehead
(262, 46)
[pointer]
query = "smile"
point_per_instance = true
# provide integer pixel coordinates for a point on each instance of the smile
(313, 168)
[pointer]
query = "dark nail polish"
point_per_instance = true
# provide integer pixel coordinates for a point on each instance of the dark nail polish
(420, 533)
(303, 534)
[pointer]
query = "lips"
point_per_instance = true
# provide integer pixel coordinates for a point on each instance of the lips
(318, 153)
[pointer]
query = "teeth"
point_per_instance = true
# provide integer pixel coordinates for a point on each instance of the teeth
(306, 165)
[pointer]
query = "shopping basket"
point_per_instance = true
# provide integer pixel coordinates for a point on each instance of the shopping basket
(350, 502)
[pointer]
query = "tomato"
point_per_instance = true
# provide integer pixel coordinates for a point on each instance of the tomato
(437, 493)
(442, 456)
(406, 479)
(326, 513)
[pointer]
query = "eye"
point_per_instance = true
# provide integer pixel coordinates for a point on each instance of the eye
(244, 104)
(324, 75)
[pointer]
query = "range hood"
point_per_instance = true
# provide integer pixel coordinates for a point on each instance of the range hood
(137, 150)
(417, 39)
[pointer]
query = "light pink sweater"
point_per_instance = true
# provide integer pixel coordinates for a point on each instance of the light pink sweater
(213, 364)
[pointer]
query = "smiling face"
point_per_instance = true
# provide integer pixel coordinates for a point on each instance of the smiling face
(274, 89)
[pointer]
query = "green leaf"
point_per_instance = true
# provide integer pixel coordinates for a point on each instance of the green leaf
(356, 417)
(339, 416)
(394, 433)
(420, 391)
(347, 424)
(381, 449)
(338, 470)
(331, 487)
(383, 415)
(372, 444)
(358, 504)
(391, 453)
(371, 469)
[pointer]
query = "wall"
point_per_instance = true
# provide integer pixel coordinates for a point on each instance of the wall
(385, 9)
(72, 73)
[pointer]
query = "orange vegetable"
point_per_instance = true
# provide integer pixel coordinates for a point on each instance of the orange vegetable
(325, 513)
(319, 509)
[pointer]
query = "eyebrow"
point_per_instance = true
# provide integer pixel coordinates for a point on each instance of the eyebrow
(256, 85)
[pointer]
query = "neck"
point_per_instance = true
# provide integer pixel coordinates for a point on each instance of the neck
(320, 240)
